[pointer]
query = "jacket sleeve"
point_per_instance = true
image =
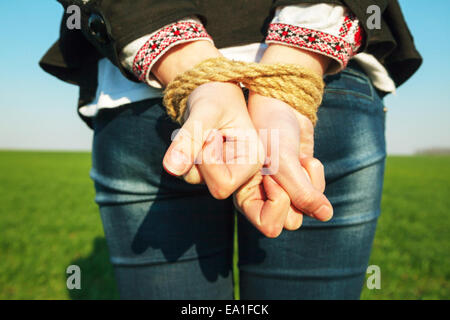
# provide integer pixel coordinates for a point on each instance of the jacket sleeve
(109, 25)
(128, 20)
(326, 29)
(373, 37)
(392, 44)
(140, 55)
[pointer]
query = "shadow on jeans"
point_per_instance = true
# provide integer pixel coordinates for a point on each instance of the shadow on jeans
(97, 275)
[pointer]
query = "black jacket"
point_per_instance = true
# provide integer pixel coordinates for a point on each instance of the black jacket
(107, 26)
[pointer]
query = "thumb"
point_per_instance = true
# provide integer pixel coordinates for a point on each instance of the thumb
(185, 147)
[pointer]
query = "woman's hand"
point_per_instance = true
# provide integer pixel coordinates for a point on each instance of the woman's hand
(296, 182)
(288, 138)
(292, 164)
(218, 143)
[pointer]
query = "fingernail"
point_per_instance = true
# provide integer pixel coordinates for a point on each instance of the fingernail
(325, 213)
(176, 162)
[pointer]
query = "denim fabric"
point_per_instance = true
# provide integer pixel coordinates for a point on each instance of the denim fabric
(171, 240)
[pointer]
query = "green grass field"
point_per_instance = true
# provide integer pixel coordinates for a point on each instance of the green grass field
(48, 221)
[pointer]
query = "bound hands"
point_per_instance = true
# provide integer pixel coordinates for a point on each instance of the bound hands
(219, 145)
(296, 182)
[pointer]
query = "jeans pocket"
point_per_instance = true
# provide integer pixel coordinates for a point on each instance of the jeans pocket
(350, 81)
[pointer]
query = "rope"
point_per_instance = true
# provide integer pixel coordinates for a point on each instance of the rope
(301, 88)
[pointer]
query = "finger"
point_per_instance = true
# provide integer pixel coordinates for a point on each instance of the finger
(185, 147)
(213, 169)
(266, 208)
(315, 171)
(294, 219)
(249, 191)
(304, 196)
(193, 176)
(225, 166)
(276, 208)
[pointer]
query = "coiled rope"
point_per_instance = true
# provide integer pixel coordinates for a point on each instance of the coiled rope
(299, 87)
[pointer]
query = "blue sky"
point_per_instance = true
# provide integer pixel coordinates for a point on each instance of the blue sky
(38, 111)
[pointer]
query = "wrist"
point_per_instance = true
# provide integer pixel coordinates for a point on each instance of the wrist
(182, 58)
(263, 110)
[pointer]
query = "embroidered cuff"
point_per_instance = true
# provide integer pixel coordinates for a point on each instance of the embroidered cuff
(163, 40)
(340, 48)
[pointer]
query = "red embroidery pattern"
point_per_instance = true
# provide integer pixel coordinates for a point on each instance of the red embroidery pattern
(358, 39)
(162, 41)
(313, 40)
(352, 31)
(347, 25)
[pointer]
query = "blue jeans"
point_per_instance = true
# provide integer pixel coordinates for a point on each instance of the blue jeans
(171, 240)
